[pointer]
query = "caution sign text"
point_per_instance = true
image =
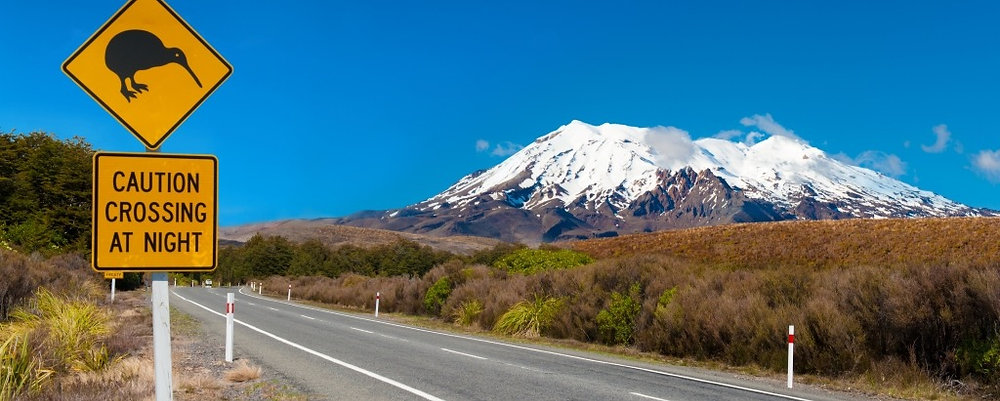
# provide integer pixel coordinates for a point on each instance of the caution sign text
(154, 212)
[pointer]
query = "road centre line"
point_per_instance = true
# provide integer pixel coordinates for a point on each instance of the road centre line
(362, 330)
(274, 309)
(648, 397)
(308, 317)
(464, 354)
(365, 372)
(542, 351)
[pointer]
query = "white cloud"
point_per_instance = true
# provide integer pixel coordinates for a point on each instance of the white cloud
(943, 136)
(728, 134)
(843, 158)
(506, 148)
(987, 163)
(767, 124)
(753, 137)
(885, 163)
(672, 146)
(482, 145)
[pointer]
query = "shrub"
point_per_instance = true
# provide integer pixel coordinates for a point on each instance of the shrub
(467, 312)
(529, 319)
(437, 295)
(981, 358)
(616, 323)
(530, 261)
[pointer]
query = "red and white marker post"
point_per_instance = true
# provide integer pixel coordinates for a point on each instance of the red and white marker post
(230, 310)
(791, 352)
(378, 296)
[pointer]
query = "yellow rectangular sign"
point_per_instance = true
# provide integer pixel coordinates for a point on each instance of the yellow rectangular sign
(114, 275)
(154, 212)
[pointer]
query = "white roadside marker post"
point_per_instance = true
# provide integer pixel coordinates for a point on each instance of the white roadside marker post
(112, 290)
(378, 296)
(289, 293)
(162, 363)
(230, 310)
(791, 352)
(260, 289)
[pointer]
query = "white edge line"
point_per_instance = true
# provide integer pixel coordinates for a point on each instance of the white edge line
(463, 354)
(542, 351)
(648, 396)
(362, 330)
(368, 373)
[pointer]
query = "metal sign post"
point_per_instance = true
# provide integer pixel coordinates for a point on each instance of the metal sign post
(162, 363)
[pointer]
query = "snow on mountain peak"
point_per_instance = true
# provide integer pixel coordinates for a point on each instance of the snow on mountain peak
(620, 163)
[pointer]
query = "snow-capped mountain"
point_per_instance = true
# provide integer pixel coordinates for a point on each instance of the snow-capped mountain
(582, 181)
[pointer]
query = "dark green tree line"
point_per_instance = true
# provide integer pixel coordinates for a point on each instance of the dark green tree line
(263, 256)
(45, 187)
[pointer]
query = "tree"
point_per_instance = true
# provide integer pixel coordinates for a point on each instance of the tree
(45, 191)
(312, 258)
(266, 256)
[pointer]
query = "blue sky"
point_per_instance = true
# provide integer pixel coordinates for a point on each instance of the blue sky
(336, 107)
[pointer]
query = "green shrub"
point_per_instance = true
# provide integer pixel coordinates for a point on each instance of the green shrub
(437, 294)
(529, 319)
(530, 261)
(666, 298)
(468, 311)
(981, 358)
(616, 323)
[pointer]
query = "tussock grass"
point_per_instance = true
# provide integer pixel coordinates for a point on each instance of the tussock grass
(20, 373)
(529, 319)
(243, 371)
(467, 313)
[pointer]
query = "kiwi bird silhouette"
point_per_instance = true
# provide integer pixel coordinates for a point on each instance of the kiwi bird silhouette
(136, 50)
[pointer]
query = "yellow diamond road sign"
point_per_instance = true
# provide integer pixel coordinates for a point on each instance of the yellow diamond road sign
(148, 68)
(154, 212)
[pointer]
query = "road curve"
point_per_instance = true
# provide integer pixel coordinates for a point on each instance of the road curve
(341, 356)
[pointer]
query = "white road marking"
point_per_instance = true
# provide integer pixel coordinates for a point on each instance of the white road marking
(362, 330)
(251, 304)
(274, 309)
(308, 317)
(463, 354)
(547, 352)
(648, 396)
(368, 373)
(395, 338)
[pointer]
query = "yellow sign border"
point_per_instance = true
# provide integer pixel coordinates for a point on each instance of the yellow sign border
(94, 216)
(135, 133)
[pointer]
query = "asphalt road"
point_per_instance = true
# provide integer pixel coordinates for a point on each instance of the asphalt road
(341, 356)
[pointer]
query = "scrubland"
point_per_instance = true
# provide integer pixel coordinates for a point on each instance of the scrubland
(909, 308)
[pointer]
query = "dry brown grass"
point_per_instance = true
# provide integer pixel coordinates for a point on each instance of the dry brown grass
(334, 235)
(243, 371)
(819, 244)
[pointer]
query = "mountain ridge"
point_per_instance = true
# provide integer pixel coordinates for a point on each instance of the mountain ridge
(584, 181)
